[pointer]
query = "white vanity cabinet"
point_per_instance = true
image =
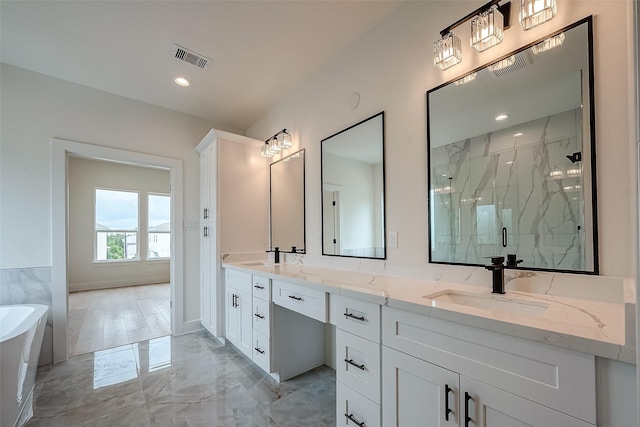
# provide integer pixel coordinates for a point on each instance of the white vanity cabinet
(358, 364)
(239, 310)
(438, 373)
(262, 325)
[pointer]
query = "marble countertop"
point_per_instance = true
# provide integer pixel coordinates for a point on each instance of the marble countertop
(600, 323)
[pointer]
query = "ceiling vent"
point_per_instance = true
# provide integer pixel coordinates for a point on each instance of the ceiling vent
(186, 55)
(513, 63)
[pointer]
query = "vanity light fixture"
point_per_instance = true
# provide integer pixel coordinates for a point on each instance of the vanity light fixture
(447, 51)
(536, 12)
(265, 150)
(284, 139)
(274, 147)
(548, 44)
(487, 27)
(276, 144)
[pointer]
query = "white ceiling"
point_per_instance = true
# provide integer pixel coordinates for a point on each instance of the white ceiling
(262, 50)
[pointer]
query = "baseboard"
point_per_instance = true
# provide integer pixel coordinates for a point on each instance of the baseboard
(190, 326)
(108, 284)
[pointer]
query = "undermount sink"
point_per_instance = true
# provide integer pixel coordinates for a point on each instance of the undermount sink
(496, 303)
(255, 263)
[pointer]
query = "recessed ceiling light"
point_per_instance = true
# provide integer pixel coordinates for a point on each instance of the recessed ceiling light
(502, 117)
(515, 135)
(182, 81)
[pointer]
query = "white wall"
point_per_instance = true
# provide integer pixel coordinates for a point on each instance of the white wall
(357, 200)
(392, 68)
(243, 198)
(84, 177)
(37, 108)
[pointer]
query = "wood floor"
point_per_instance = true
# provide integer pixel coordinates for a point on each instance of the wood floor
(113, 317)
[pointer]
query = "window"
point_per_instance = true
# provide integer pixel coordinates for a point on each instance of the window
(116, 225)
(159, 226)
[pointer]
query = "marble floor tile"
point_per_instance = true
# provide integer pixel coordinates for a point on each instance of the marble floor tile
(191, 380)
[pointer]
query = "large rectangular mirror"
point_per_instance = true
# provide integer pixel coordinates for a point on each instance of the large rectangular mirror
(353, 191)
(512, 159)
(287, 203)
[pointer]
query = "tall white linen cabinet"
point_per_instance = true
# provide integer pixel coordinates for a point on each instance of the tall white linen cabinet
(233, 176)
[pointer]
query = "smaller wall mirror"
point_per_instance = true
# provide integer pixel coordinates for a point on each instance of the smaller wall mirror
(287, 203)
(353, 219)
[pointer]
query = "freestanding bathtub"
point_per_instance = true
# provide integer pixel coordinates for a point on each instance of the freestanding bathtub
(21, 332)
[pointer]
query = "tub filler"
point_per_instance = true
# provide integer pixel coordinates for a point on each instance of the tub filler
(21, 332)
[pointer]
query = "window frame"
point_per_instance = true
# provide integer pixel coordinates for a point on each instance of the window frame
(137, 258)
(148, 233)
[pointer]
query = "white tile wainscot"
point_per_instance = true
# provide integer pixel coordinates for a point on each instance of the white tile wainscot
(577, 322)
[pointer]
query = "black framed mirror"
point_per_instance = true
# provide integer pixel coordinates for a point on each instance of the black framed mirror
(287, 203)
(511, 163)
(353, 185)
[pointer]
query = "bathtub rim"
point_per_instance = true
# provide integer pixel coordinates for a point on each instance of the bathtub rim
(39, 313)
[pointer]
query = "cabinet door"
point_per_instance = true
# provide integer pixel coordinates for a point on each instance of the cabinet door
(487, 406)
(416, 393)
(208, 183)
(245, 322)
(205, 278)
(232, 316)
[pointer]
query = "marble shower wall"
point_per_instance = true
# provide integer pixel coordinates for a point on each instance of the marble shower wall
(31, 285)
(523, 183)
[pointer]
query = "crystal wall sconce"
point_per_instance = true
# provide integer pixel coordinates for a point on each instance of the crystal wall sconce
(488, 24)
(274, 145)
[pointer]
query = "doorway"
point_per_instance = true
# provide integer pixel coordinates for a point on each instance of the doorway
(119, 243)
(61, 151)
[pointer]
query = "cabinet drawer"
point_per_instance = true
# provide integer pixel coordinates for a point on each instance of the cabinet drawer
(238, 280)
(262, 288)
(560, 379)
(309, 302)
(261, 351)
(358, 317)
(261, 316)
(358, 364)
(353, 408)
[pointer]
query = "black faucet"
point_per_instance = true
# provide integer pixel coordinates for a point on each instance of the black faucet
(276, 254)
(497, 268)
(512, 261)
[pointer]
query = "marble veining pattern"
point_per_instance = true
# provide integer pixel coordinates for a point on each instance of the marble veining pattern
(591, 314)
(524, 186)
(189, 380)
(30, 285)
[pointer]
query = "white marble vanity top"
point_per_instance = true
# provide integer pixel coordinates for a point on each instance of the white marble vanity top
(600, 323)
